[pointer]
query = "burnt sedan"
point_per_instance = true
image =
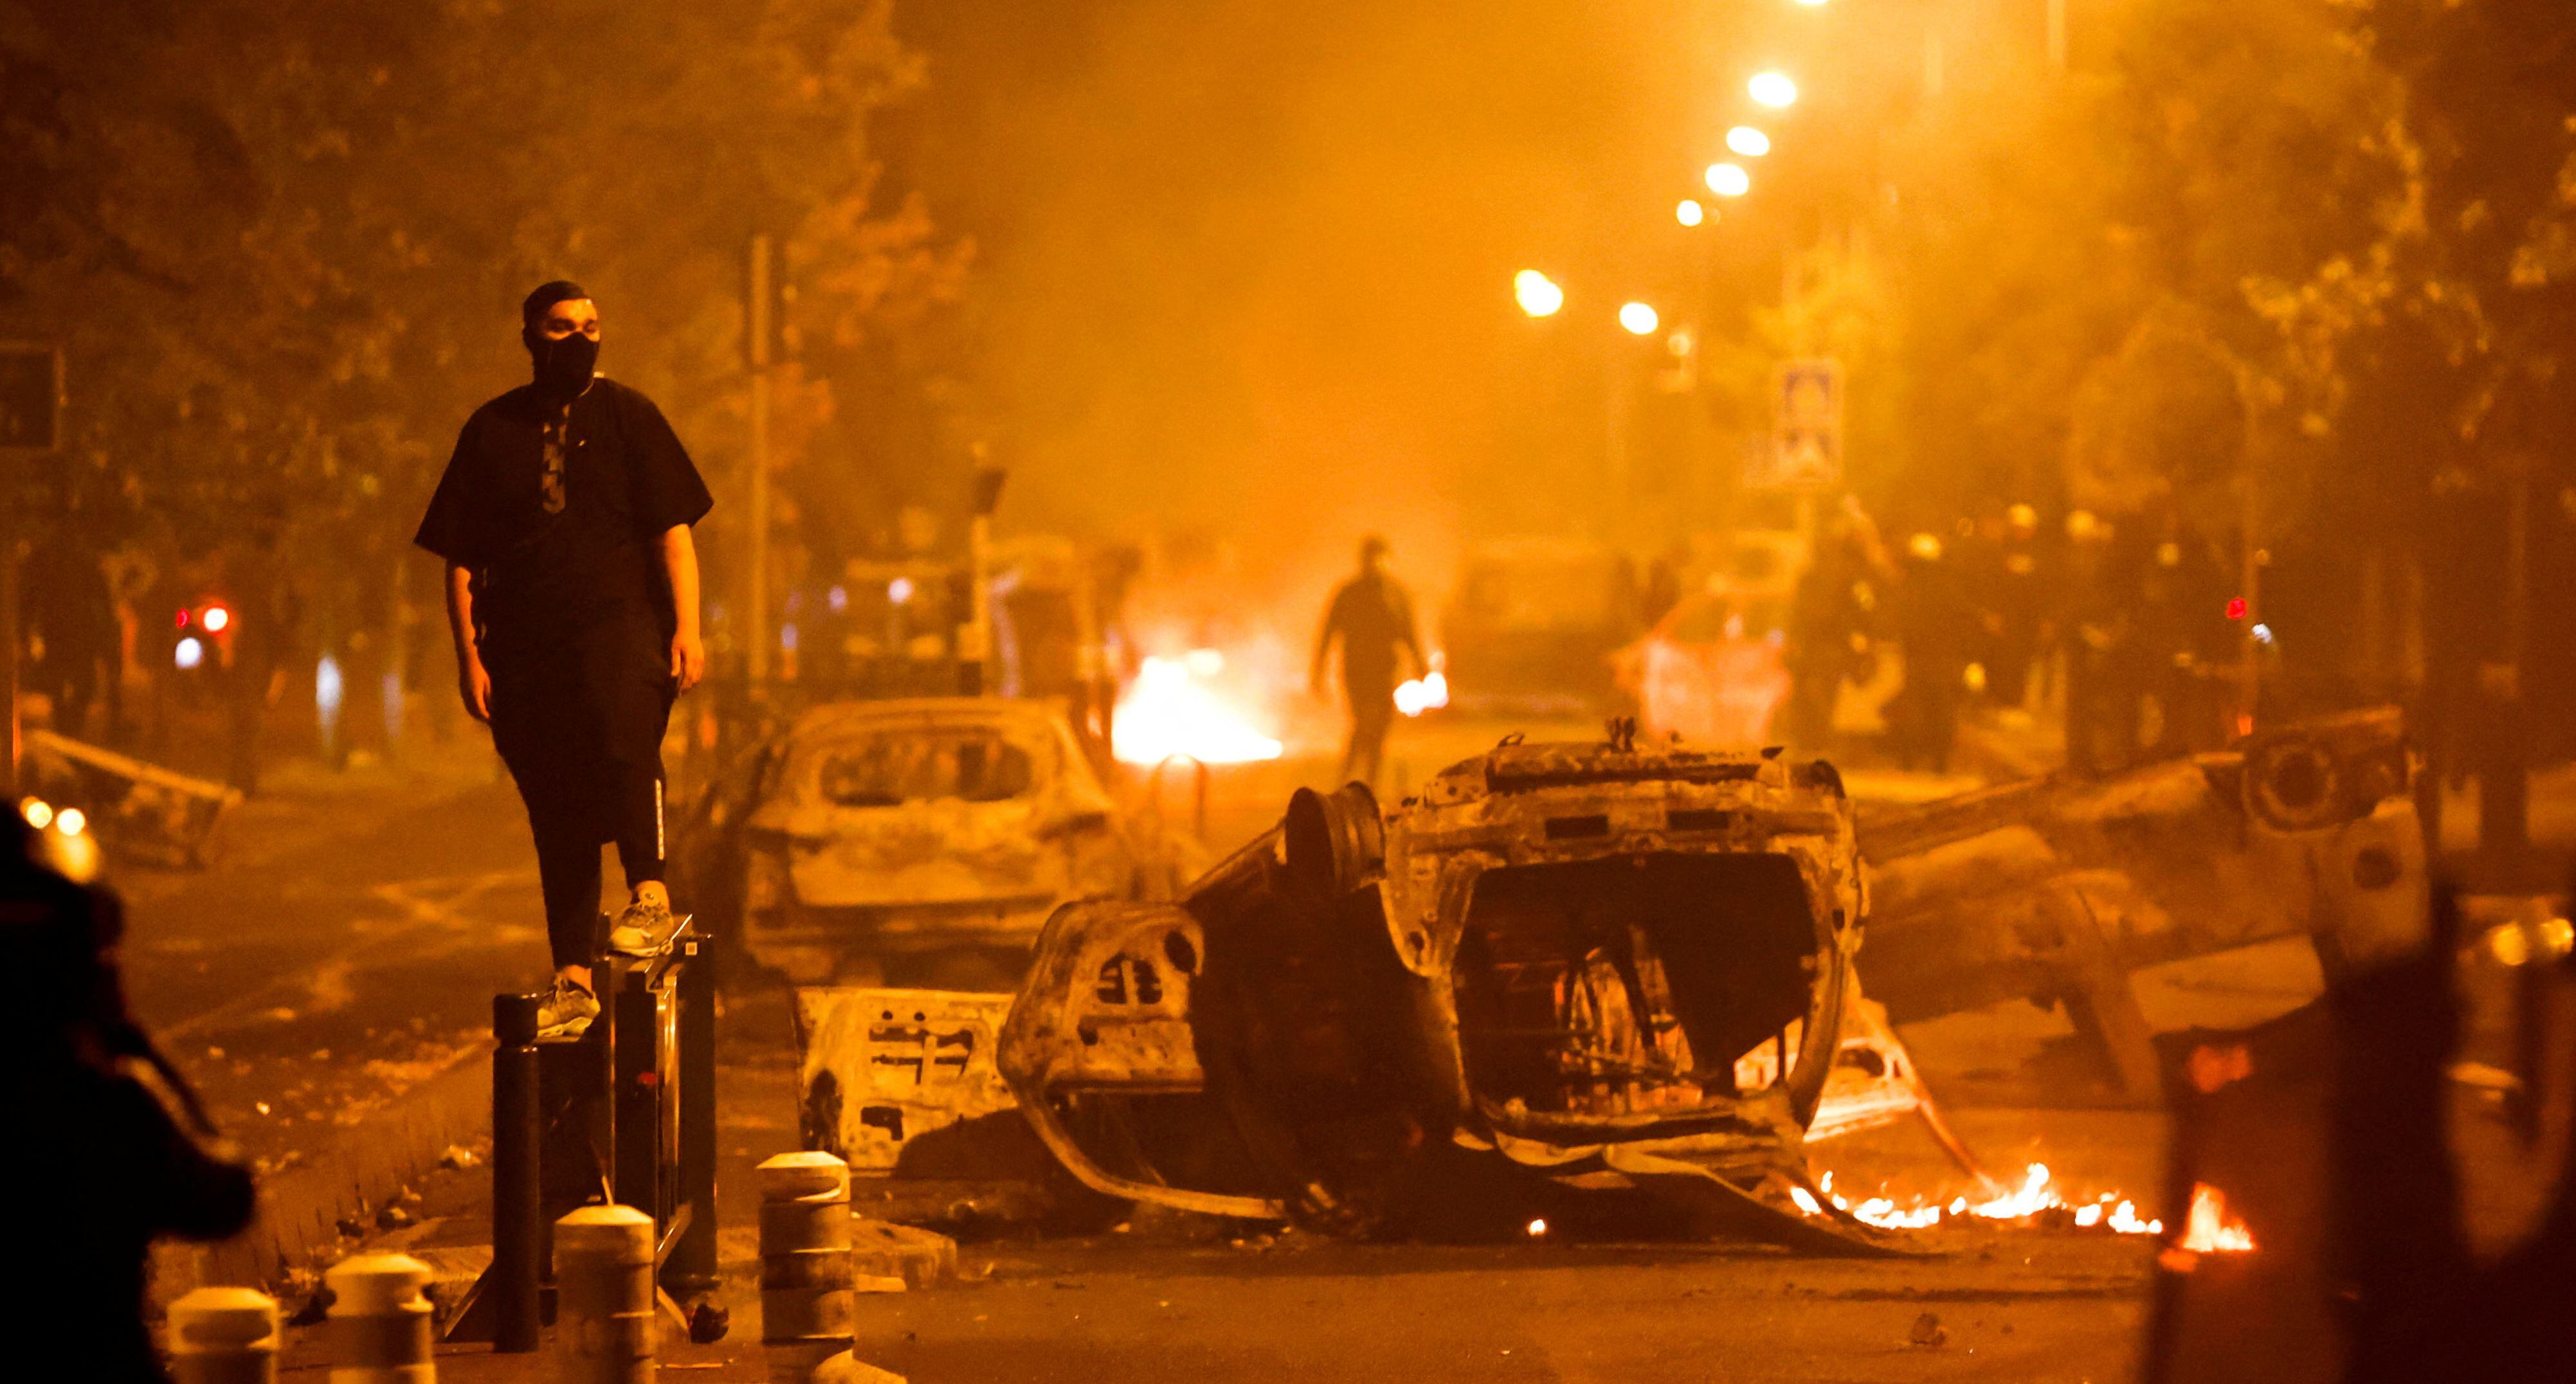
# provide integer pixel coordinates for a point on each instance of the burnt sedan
(917, 842)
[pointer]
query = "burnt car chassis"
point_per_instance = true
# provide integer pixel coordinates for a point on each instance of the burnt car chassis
(1534, 990)
(1487, 1007)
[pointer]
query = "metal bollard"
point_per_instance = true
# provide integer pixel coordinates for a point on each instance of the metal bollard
(605, 1296)
(224, 1336)
(380, 1321)
(517, 1221)
(805, 1300)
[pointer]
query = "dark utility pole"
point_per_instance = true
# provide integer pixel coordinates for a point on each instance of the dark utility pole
(31, 407)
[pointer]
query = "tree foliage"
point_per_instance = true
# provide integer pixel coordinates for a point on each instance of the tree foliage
(283, 241)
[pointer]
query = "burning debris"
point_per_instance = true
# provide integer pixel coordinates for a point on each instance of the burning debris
(1173, 711)
(2209, 1228)
(2031, 1202)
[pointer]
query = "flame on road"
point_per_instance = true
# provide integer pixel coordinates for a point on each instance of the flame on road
(2036, 1194)
(1169, 711)
(2210, 1229)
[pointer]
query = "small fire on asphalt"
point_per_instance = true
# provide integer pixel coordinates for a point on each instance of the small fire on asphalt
(2037, 1195)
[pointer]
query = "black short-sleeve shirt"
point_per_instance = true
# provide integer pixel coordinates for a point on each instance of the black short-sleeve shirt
(556, 512)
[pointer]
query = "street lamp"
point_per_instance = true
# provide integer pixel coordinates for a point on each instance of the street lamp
(1773, 89)
(1729, 180)
(1690, 212)
(1639, 319)
(1537, 294)
(1748, 141)
(1811, 4)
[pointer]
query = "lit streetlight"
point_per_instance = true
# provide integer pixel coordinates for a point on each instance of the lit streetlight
(1729, 180)
(1811, 4)
(1537, 294)
(1639, 319)
(1690, 212)
(1773, 89)
(1748, 141)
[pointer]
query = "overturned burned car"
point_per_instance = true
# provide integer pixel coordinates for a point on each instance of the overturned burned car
(2055, 889)
(915, 842)
(1609, 985)
(1534, 980)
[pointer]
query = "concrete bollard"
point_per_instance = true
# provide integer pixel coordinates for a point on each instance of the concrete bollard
(805, 1303)
(224, 1336)
(605, 1296)
(380, 1320)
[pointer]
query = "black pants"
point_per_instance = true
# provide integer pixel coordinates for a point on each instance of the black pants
(1372, 715)
(579, 722)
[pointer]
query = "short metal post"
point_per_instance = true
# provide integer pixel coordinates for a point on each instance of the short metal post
(380, 1321)
(225, 1336)
(517, 1223)
(636, 1098)
(805, 1297)
(691, 1270)
(604, 1271)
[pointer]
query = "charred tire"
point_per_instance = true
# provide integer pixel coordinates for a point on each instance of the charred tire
(1335, 842)
(2297, 785)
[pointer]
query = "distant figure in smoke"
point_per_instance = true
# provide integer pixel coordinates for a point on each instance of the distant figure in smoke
(1373, 618)
(71, 617)
(1937, 627)
(97, 1164)
(572, 594)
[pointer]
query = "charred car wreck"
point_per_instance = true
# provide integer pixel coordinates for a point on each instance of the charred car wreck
(1608, 984)
(1531, 985)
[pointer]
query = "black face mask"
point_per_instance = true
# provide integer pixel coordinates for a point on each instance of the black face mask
(564, 367)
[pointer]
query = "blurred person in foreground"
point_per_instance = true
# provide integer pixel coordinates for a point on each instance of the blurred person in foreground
(97, 1164)
(1372, 616)
(572, 595)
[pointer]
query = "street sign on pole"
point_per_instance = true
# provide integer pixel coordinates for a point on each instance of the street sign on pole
(1806, 451)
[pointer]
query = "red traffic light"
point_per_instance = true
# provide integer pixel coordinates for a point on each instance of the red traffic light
(215, 618)
(2236, 608)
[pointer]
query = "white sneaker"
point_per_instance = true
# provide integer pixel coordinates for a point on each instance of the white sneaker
(566, 1011)
(641, 929)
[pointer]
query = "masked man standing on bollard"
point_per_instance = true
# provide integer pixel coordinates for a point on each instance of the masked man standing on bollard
(572, 594)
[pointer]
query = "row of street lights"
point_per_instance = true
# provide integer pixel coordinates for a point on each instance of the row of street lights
(1540, 296)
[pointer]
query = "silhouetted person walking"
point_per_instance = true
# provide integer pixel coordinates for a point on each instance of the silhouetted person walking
(1373, 618)
(572, 595)
(96, 1166)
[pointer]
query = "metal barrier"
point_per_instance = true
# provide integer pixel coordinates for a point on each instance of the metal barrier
(625, 1109)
